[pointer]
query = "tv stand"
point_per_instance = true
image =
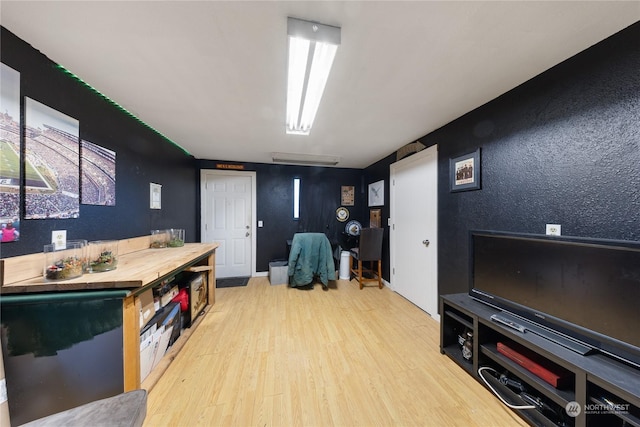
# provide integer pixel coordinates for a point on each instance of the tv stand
(523, 325)
(591, 380)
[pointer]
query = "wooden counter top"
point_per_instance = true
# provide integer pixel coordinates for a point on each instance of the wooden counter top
(135, 270)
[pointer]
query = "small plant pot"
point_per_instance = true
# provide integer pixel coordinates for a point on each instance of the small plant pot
(159, 239)
(63, 264)
(176, 237)
(103, 256)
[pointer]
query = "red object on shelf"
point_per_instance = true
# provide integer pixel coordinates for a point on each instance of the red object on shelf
(183, 299)
(548, 371)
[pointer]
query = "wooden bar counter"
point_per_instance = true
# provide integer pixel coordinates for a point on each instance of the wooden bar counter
(136, 268)
(30, 303)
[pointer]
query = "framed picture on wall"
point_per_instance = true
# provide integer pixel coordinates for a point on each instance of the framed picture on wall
(376, 193)
(375, 216)
(97, 175)
(464, 172)
(51, 163)
(10, 157)
(348, 195)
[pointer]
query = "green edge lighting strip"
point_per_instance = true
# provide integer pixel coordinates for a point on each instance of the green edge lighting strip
(118, 106)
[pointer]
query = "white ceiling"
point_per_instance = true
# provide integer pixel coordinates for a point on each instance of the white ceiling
(210, 75)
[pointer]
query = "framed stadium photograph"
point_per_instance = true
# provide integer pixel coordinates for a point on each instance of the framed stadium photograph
(9, 154)
(97, 174)
(52, 163)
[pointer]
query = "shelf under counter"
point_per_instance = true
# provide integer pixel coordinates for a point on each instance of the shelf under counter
(96, 314)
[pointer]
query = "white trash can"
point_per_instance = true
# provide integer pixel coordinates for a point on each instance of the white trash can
(278, 272)
(345, 265)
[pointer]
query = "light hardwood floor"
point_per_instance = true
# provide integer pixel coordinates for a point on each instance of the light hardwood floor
(278, 356)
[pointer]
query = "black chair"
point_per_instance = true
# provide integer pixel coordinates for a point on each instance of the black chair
(369, 249)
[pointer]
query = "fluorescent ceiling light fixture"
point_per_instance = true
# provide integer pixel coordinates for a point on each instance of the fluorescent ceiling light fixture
(312, 48)
(304, 159)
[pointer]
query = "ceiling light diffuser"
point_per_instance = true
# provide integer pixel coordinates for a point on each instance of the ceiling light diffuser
(312, 48)
(305, 159)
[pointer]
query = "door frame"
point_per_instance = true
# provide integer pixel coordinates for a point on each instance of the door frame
(420, 156)
(204, 173)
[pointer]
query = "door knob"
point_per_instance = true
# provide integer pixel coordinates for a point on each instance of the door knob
(425, 242)
(247, 234)
(247, 227)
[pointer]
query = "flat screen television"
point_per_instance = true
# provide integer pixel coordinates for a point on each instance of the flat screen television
(585, 290)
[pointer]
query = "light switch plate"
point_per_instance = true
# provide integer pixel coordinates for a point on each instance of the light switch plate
(155, 196)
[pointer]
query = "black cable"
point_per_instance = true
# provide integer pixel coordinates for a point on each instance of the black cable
(483, 368)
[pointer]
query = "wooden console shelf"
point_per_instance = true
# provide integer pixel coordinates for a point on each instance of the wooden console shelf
(605, 391)
(83, 315)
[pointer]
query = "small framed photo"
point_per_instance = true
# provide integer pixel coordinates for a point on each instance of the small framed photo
(376, 193)
(465, 171)
(348, 195)
(375, 216)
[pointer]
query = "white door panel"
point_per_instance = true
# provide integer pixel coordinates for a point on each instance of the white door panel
(413, 234)
(227, 219)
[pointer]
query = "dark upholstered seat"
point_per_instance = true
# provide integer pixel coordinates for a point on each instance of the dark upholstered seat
(123, 410)
(369, 250)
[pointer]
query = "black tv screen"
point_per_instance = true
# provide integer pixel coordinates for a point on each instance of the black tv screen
(586, 289)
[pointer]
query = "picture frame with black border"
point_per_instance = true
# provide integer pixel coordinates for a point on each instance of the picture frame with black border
(465, 171)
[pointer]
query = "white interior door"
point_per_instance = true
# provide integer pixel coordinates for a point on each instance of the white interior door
(227, 219)
(414, 229)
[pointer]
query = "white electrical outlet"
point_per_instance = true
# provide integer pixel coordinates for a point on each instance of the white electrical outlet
(554, 229)
(59, 239)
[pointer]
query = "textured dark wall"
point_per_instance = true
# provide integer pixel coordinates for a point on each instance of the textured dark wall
(563, 148)
(142, 156)
(319, 199)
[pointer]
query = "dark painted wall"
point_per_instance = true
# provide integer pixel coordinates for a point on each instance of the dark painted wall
(562, 148)
(142, 156)
(320, 197)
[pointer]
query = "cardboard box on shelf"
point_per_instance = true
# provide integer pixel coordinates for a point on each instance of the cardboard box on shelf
(163, 344)
(144, 304)
(167, 297)
(167, 317)
(156, 337)
(152, 350)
